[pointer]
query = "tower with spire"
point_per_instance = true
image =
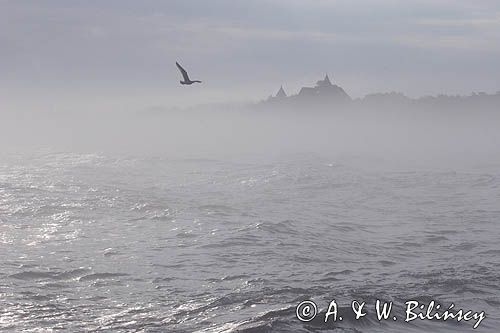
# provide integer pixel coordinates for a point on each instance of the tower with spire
(281, 93)
(325, 82)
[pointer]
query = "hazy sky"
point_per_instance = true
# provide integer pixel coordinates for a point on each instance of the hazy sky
(121, 52)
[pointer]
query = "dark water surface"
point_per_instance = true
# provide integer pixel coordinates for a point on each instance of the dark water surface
(99, 243)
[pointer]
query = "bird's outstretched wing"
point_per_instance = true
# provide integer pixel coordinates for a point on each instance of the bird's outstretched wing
(183, 72)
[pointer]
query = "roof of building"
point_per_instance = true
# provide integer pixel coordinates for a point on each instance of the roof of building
(281, 93)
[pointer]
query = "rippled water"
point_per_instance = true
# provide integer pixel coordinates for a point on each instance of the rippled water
(96, 243)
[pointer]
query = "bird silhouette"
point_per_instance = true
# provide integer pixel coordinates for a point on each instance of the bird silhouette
(185, 76)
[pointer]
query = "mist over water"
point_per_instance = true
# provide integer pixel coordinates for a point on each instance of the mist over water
(223, 221)
(450, 138)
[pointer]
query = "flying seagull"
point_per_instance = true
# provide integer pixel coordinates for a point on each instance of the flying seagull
(185, 76)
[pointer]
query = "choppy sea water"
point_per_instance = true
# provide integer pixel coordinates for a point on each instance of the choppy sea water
(108, 244)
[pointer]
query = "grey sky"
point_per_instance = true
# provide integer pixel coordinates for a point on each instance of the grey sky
(124, 51)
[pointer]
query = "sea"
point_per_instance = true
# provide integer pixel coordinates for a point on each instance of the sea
(93, 242)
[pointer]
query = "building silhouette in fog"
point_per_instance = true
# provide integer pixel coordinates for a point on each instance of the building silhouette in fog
(326, 95)
(322, 94)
